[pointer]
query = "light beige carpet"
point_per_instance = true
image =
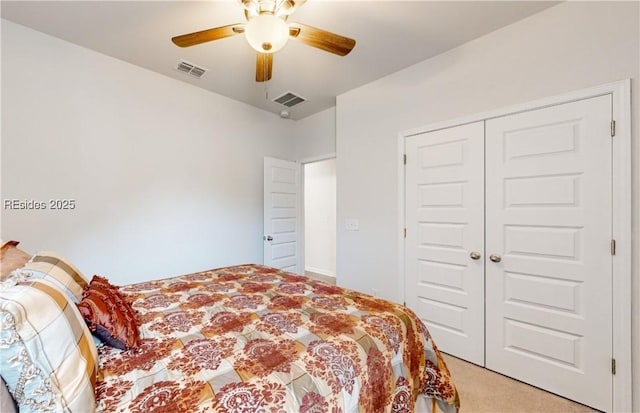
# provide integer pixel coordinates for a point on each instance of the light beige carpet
(482, 390)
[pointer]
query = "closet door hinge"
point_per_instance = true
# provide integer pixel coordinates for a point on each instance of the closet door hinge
(613, 247)
(404, 158)
(613, 366)
(405, 232)
(613, 128)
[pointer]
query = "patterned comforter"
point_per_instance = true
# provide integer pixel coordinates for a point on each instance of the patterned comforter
(255, 339)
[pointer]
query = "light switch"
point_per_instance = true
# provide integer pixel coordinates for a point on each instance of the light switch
(352, 225)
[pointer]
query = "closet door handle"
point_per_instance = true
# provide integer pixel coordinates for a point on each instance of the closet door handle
(495, 258)
(475, 255)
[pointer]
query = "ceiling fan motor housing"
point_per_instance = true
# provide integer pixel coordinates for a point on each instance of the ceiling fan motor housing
(275, 7)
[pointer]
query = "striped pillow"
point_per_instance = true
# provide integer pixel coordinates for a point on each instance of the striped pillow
(47, 355)
(50, 265)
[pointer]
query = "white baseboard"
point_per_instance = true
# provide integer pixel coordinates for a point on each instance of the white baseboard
(331, 279)
(319, 271)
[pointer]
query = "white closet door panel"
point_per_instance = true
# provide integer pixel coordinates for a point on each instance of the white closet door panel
(548, 215)
(445, 223)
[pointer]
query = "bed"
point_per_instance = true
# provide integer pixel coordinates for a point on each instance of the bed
(246, 338)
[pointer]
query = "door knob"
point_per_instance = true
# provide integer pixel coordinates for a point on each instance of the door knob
(475, 255)
(268, 238)
(495, 258)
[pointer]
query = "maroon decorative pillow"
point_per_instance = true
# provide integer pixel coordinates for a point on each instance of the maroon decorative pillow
(102, 283)
(108, 315)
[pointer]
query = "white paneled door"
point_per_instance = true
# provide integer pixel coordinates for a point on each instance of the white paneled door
(445, 237)
(548, 226)
(282, 211)
(508, 246)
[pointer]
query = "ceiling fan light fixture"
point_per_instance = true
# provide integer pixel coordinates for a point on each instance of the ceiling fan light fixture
(267, 33)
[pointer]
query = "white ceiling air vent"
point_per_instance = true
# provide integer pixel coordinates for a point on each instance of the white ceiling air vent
(191, 69)
(289, 99)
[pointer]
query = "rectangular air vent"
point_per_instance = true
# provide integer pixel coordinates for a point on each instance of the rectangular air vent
(191, 69)
(289, 99)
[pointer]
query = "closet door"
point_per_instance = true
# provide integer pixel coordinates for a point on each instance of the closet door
(444, 260)
(548, 230)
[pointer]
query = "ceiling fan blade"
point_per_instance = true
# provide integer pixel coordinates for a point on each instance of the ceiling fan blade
(208, 35)
(264, 67)
(322, 39)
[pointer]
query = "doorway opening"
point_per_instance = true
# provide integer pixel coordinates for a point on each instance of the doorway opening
(320, 219)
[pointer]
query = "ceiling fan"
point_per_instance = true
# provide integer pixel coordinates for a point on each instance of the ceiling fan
(267, 31)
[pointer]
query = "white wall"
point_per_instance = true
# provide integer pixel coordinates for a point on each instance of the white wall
(320, 217)
(568, 47)
(315, 135)
(167, 177)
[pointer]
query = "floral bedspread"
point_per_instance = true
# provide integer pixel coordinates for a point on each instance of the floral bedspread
(256, 339)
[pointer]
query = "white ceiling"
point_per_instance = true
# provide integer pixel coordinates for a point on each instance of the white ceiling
(390, 35)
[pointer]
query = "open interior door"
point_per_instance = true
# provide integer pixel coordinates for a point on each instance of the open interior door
(282, 215)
